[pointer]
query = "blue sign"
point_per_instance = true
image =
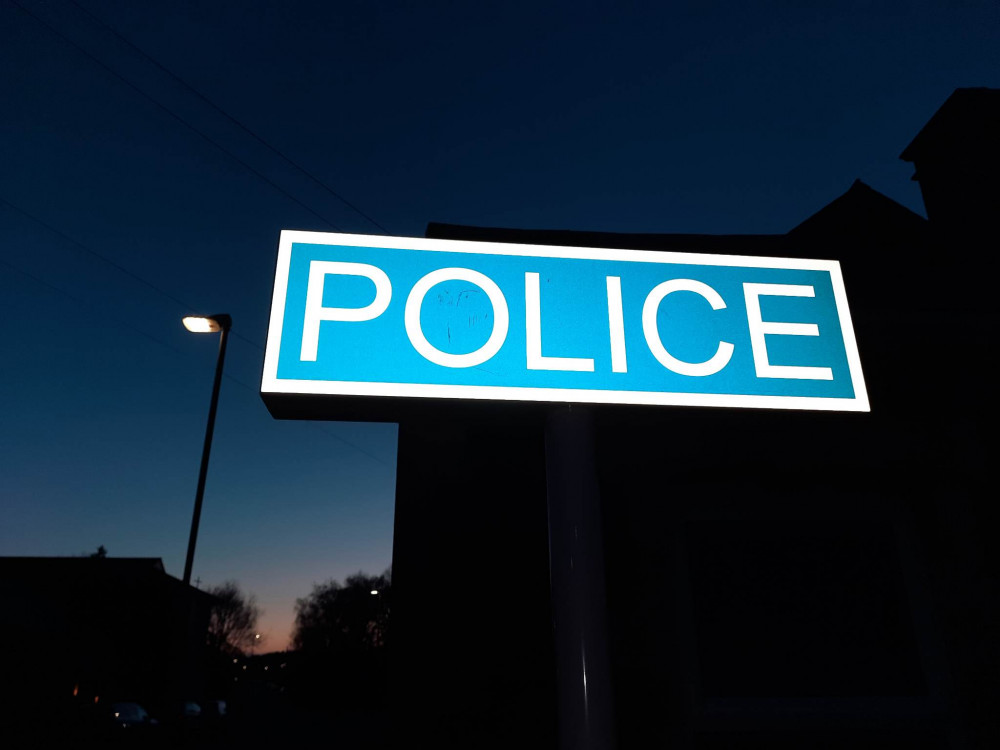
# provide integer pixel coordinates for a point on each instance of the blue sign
(359, 315)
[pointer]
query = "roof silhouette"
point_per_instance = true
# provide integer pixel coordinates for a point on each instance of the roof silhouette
(966, 126)
(861, 209)
(74, 570)
(861, 213)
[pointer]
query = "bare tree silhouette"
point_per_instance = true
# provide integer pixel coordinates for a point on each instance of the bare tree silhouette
(233, 624)
(337, 618)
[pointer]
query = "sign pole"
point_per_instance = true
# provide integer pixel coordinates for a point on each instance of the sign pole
(576, 579)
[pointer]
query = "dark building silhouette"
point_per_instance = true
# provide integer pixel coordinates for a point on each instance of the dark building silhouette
(79, 630)
(774, 579)
(956, 156)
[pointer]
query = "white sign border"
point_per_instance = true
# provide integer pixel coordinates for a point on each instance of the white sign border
(270, 383)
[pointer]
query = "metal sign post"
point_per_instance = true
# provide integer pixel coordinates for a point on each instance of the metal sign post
(576, 569)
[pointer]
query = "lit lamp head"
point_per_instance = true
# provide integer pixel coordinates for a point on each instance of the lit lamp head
(207, 323)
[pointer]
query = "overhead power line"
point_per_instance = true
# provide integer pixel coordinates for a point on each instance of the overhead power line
(232, 118)
(145, 334)
(99, 256)
(87, 305)
(174, 115)
(105, 259)
(94, 254)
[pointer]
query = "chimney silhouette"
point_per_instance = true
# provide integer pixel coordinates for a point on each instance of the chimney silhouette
(957, 160)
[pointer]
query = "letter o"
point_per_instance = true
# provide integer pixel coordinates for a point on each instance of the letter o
(411, 318)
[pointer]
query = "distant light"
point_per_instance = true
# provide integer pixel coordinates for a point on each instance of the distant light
(96, 698)
(235, 661)
(244, 667)
(76, 690)
(265, 669)
(116, 714)
(257, 636)
(197, 324)
(374, 592)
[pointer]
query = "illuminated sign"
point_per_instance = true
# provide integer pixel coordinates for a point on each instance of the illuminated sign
(359, 315)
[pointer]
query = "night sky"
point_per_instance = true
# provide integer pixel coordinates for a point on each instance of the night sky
(127, 199)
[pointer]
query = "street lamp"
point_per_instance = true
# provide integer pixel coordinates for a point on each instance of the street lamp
(206, 324)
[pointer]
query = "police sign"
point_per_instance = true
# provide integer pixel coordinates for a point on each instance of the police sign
(371, 316)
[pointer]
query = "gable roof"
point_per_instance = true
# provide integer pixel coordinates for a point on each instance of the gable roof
(860, 212)
(967, 125)
(79, 575)
(132, 567)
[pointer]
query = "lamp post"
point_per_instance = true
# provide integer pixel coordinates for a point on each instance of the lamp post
(206, 324)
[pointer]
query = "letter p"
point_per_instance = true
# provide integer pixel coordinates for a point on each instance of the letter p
(315, 312)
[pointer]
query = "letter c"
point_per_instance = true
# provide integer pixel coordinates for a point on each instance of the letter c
(649, 309)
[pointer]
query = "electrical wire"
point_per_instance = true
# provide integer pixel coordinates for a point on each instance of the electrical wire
(88, 305)
(187, 308)
(288, 160)
(234, 120)
(126, 324)
(93, 253)
(99, 256)
(174, 115)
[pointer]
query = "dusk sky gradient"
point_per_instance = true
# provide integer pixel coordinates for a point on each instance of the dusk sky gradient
(715, 117)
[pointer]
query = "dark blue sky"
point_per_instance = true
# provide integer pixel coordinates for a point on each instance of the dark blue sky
(676, 117)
